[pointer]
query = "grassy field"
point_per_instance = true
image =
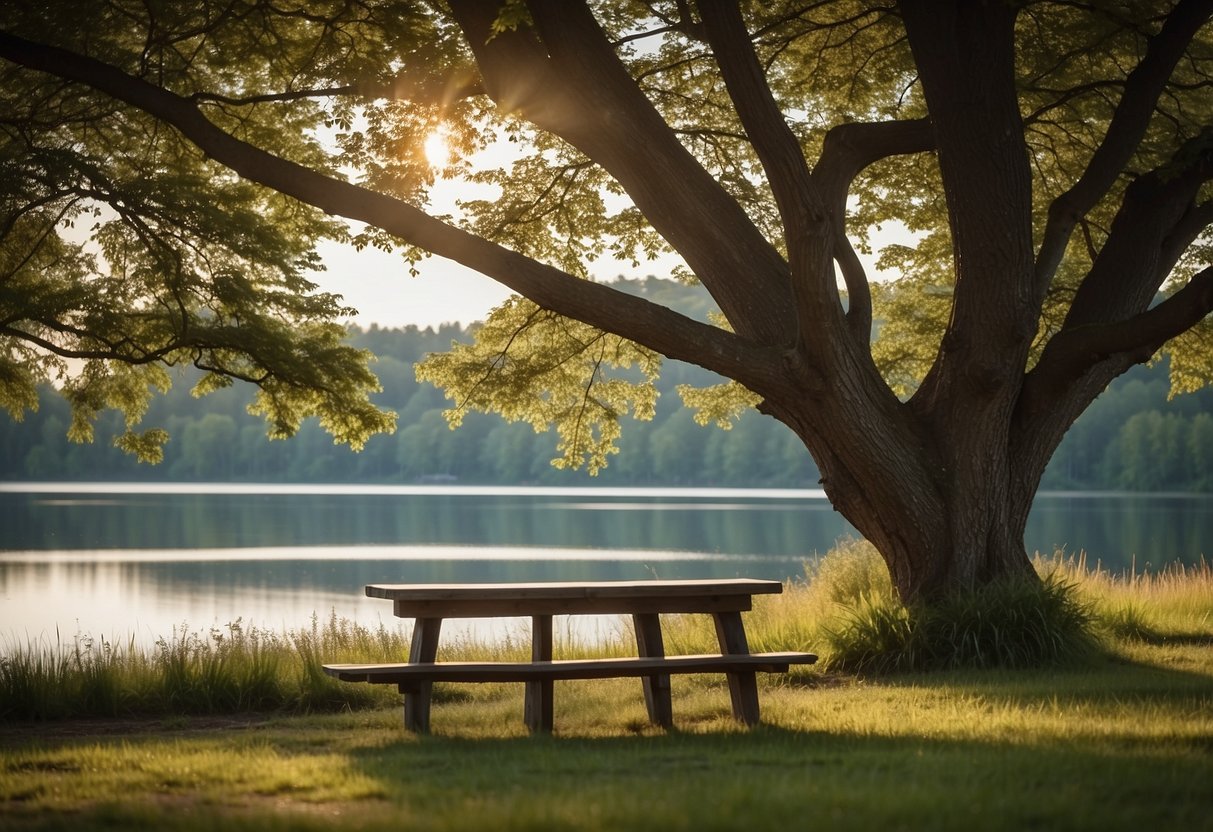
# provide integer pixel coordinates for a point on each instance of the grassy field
(1121, 739)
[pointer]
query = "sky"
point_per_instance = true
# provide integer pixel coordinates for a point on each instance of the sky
(379, 286)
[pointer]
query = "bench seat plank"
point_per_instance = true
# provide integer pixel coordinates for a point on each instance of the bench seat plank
(408, 673)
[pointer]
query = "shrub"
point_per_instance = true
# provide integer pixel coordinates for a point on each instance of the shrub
(1013, 623)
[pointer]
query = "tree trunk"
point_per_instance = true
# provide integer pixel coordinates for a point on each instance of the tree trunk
(940, 529)
(976, 540)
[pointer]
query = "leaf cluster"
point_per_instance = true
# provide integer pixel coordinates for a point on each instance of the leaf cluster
(123, 250)
(522, 349)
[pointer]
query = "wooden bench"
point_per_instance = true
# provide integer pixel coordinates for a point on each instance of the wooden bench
(645, 601)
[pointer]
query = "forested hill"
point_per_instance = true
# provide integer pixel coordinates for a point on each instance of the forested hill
(1131, 438)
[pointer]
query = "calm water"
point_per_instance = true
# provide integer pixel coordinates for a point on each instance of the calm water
(119, 560)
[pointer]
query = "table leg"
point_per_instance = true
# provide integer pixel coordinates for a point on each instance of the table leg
(657, 686)
(424, 649)
(743, 687)
(538, 710)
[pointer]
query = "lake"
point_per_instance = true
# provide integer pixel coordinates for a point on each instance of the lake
(136, 560)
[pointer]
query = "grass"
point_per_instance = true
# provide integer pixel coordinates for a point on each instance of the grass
(1121, 744)
(223, 670)
(1009, 623)
(1121, 738)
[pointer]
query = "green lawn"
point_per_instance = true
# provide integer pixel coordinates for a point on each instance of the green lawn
(1124, 743)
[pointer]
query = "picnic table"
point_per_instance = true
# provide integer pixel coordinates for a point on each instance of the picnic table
(644, 601)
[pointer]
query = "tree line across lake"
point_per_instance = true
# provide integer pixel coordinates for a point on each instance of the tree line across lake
(1132, 438)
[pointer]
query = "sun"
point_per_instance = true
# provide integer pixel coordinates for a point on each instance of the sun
(437, 149)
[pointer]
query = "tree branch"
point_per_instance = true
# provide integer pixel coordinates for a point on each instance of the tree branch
(564, 76)
(654, 326)
(1132, 116)
(1193, 223)
(848, 149)
(1072, 352)
(808, 232)
(404, 88)
(777, 147)
(965, 53)
(1156, 220)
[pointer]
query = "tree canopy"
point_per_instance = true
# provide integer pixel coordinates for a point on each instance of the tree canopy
(1052, 158)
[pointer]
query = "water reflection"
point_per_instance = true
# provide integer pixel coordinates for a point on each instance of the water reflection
(118, 594)
(217, 520)
(1124, 531)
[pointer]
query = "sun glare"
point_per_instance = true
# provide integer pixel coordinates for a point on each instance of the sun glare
(437, 151)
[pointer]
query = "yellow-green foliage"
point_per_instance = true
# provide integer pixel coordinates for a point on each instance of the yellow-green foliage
(533, 366)
(718, 404)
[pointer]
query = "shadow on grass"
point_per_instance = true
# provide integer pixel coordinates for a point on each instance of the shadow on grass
(777, 778)
(768, 778)
(1085, 776)
(1160, 640)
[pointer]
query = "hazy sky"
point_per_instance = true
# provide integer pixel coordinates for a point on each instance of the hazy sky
(378, 285)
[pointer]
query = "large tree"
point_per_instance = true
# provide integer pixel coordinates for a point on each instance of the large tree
(1051, 158)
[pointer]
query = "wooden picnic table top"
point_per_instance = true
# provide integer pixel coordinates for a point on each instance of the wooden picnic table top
(561, 590)
(571, 597)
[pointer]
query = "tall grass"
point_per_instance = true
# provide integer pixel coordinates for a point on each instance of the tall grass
(234, 669)
(864, 628)
(846, 611)
(1173, 603)
(222, 670)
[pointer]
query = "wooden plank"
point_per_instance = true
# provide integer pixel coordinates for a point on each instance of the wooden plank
(571, 598)
(743, 687)
(567, 668)
(649, 644)
(573, 590)
(524, 608)
(423, 650)
(538, 712)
